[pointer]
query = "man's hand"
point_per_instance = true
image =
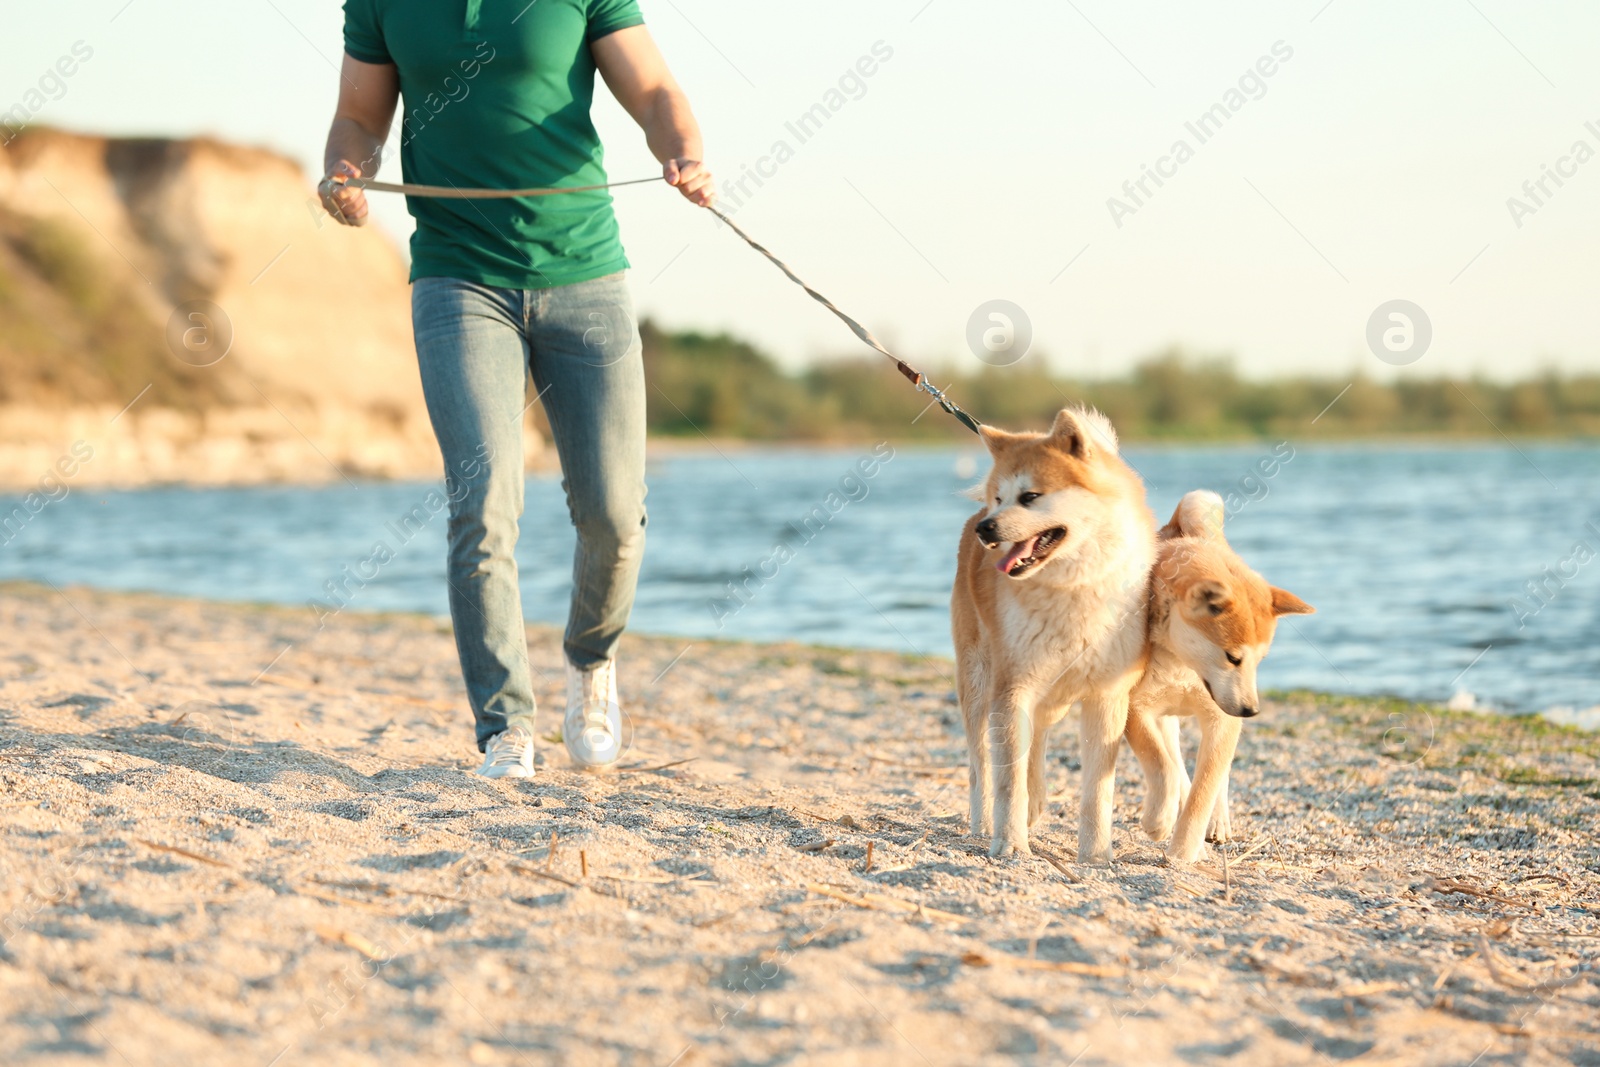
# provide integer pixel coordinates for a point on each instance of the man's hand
(368, 95)
(347, 205)
(693, 179)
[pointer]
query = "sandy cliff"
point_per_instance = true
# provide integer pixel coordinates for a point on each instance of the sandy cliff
(115, 255)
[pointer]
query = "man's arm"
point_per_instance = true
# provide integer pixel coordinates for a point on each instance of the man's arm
(637, 75)
(368, 94)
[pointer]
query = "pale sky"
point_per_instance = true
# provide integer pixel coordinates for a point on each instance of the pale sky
(978, 161)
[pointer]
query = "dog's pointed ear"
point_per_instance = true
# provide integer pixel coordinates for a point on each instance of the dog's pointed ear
(1069, 434)
(997, 441)
(1286, 603)
(1207, 598)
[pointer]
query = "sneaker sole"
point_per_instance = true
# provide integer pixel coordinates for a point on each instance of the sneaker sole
(590, 765)
(509, 772)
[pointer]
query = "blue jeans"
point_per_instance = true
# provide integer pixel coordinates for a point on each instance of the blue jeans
(476, 347)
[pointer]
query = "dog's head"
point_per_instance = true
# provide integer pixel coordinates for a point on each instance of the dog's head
(1047, 492)
(1224, 614)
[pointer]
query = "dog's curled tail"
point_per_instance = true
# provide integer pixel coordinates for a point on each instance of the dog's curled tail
(1200, 514)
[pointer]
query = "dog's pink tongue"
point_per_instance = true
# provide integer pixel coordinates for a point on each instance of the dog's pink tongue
(1019, 550)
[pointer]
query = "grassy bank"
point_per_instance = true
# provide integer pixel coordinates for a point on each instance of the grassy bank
(1525, 750)
(73, 330)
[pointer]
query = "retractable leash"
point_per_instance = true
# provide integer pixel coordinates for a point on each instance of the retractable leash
(451, 192)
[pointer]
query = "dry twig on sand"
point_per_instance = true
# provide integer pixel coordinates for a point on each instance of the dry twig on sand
(1522, 985)
(347, 902)
(335, 936)
(1261, 842)
(186, 854)
(882, 902)
(1088, 970)
(385, 890)
(658, 767)
(1058, 863)
(1446, 886)
(521, 868)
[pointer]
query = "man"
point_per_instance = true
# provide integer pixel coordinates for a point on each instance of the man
(497, 94)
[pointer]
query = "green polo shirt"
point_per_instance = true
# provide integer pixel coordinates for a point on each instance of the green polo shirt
(496, 94)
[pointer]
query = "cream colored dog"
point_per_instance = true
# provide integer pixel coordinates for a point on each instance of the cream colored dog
(1211, 623)
(1048, 610)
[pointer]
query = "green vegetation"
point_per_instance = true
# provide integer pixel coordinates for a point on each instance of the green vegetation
(72, 329)
(1524, 750)
(723, 387)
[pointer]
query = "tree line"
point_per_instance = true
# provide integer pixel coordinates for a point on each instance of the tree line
(724, 387)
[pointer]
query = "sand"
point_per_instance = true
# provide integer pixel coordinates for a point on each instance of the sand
(229, 838)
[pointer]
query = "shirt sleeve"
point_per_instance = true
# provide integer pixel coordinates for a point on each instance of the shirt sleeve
(609, 16)
(363, 32)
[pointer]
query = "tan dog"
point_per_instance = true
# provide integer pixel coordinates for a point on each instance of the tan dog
(1048, 609)
(1212, 621)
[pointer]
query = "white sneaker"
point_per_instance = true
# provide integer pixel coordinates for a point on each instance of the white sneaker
(592, 730)
(509, 754)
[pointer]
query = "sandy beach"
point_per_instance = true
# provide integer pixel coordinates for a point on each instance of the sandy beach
(232, 838)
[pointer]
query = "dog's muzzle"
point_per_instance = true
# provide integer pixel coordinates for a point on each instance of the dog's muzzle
(1246, 711)
(987, 533)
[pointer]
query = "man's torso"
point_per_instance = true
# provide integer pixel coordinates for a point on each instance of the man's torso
(497, 94)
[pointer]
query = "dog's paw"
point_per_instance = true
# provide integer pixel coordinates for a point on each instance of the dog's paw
(1186, 855)
(1036, 810)
(980, 816)
(1158, 824)
(1098, 857)
(1221, 827)
(1006, 848)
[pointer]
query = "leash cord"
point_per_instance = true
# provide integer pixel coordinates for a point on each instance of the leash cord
(450, 192)
(912, 375)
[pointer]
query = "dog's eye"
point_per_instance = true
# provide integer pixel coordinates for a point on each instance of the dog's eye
(1235, 660)
(1027, 498)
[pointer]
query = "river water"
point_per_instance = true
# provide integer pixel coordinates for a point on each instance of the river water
(1418, 559)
